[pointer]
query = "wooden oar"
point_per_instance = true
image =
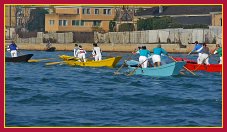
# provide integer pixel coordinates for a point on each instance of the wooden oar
(38, 60)
(73, 58)
(188, 53)
(70, 58)
(54, 63)
(117, 72)
(132, 72)
(202, 62)
(183, 66)
(61, 62)
(20, 52)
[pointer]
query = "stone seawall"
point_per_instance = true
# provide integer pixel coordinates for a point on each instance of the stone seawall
(172, 48)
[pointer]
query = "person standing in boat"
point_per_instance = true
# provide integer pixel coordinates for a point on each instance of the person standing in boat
(48, 45)
(136, 51)
(156, 58)
(218, 50)
(12, 48)
(204, 55)
(75, 50)
(97, 52)
(80, 53)
(143, 59)
(197, 48)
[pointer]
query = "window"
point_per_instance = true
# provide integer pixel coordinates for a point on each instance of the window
(220, 21)
(82, 23)
(96, 11)
(77, 23)
(60, 23)
(63, 22)
(78, 11)
(107, 11)
(51, 22)
(96, 23)
(86, 11)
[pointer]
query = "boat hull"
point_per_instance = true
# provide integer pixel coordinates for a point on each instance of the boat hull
(51, 49)
(170, 69)
(23, 58)
(202, 67)
(110, 62)
(193, 66)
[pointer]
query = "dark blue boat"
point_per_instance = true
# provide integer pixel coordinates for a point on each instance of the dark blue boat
(23, 58)
(51, 49)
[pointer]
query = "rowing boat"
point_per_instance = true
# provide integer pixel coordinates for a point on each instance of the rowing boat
(51, 49)
(67, 57)
(170, 69)
(193, 66)
(203, 67)
(109, 62)
(22, 58)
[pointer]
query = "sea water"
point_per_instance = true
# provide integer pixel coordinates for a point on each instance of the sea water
(64, 96)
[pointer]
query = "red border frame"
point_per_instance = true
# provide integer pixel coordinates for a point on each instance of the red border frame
(99, 2)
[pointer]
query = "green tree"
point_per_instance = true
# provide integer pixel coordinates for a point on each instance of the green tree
(140, 10)
(112, 26)
(145, 24)
(163, 23)
(154, 23)
(126, 27)
(37, 20)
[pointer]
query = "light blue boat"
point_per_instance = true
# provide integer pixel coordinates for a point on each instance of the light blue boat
(170, 69)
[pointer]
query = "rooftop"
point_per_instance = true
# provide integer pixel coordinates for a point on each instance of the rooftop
(181, 10)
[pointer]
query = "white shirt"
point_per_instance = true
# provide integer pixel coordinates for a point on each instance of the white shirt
(75, 50)
(80, 51)
(96, 51)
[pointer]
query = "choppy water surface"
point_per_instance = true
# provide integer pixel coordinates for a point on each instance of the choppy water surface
(59, 95)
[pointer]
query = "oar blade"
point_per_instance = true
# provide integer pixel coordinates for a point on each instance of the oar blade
(133, 71)
(123, 64)
(38, 60)
(116, 73)
(130, 74)
(33, 60)
(52, 63)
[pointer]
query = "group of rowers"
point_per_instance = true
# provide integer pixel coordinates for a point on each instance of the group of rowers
(202, 50)
(80, 53)
(146, 54)
(204, 53)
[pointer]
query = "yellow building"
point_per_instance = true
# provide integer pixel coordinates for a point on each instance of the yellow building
(79, 18)
(10, 19)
